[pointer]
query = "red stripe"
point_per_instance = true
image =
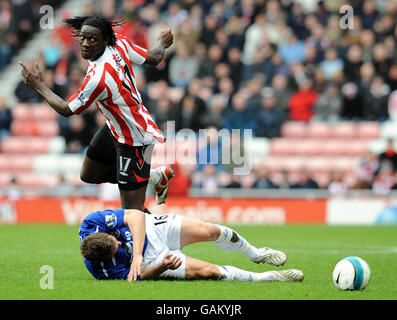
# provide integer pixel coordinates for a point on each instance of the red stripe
(74, 96)
(138, 50)
(99, 88)
(128, 62)
(111, 126)
(127, 98)
(134, 47)
(115, 111)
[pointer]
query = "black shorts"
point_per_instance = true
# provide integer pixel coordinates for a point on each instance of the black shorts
(132, 163)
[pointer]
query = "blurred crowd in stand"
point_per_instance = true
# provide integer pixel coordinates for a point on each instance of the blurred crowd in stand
(235, 64)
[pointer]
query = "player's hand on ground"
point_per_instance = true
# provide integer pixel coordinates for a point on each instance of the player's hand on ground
(166, 37)
(33, 77)
(172, 262)
(135, 270)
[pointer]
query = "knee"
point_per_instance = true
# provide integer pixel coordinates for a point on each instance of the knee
(214, 232)
(209, 272)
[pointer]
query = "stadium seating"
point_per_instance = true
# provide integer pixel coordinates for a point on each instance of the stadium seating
(33, 155)
(323, 147)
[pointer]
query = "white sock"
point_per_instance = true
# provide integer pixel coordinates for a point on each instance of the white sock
(231, 240)
(230, 273)
(155, 176)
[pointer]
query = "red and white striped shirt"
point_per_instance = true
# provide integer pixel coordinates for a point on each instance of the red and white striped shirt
(111, 84)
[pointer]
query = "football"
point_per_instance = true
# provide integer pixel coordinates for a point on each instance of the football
(351, 273)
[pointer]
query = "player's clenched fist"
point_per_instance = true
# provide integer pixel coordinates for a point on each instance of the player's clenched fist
(166, 38)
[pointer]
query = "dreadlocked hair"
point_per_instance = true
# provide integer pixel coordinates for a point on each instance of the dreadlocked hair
(100, 22)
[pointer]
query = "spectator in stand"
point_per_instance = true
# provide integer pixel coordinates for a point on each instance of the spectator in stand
(208, 31)
(389, 155)
(392, 105)
(392, 77)
(365, 170)
(240, 116)
(352, 102)
(380, 60)
(24, 22)
(367, 73)
(337, 185)
(375, 100)
(63, 32)
(369, 14)
(293, 50)
(77, 136)
(5, 118)
(318, 39)
(263, 181)
(253, 88)
(234, 29)
(302, 101)
(162, 112)
(385, 180)
(305, 181)
(207, 67)
(189, 115)
(226, 89)
(235, 64)
(52, 51)
(231, 181)
(282, 93)
(188, 34)
(180, 184)
(269, 117)
(332, 64)
(255, 38)
(296, 20)
(62, 70)
(176, 14)
(281, 180)
(328, 105)
(211, 152)
(384, 26)
(214, 115)
(367, 42)
(209, 182)
(264, 63)
(183, 66)
(353, 62)
(332, 29)
(5, 21)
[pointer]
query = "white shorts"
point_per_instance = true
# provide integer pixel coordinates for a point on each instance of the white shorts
(164, 236)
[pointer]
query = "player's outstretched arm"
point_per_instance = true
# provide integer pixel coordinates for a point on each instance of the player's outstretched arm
(170, 262)
(34, 79)
(135, 220)
(156, 55)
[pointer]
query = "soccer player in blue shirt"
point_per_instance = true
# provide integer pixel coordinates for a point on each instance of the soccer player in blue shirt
(134, 245)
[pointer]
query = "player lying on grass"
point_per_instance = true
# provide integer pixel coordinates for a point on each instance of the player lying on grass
(118, 244)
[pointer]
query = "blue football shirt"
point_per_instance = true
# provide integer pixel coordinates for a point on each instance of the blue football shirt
(111, 222)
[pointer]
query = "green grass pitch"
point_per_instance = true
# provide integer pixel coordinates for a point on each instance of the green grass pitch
(314, 249)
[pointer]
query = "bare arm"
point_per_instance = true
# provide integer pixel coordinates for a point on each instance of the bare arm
(34, 79)
(156, 54)
(170, 262)
(135, 220)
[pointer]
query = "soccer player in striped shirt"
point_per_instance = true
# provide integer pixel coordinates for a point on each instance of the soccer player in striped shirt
(120, 151)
